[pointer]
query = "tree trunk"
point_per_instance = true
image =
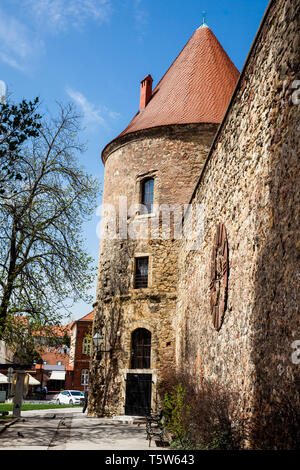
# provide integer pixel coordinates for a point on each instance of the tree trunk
(8, 289)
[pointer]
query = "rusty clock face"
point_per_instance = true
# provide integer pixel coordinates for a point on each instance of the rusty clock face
(219, 277)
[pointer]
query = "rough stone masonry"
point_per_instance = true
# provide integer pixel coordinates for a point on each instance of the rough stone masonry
(250, 184)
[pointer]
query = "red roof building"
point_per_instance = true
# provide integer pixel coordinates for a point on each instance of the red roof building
(80, 348)
(65, 366)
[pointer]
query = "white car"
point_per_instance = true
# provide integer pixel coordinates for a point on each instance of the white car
(70, 397)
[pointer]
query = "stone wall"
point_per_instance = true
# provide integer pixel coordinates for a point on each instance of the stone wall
(250, 183)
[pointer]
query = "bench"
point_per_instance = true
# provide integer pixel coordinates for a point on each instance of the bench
(155, 429)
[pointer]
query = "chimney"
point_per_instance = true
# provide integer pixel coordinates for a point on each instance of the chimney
(146, 91)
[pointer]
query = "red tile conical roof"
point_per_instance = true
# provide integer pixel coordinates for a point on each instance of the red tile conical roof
(196, 88)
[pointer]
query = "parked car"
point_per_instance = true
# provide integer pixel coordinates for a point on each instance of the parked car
(70, 397)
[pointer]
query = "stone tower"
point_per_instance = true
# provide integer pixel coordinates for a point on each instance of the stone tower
(151, 170)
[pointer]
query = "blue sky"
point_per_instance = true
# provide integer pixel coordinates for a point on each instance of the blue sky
(94, 53)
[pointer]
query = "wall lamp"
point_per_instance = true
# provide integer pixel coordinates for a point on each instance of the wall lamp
(98, 343)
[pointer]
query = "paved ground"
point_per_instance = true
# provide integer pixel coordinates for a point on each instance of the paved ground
(68, 429)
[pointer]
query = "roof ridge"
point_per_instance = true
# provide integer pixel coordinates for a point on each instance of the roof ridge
(87, 315)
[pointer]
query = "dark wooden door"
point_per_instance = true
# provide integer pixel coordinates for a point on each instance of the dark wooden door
(140, 349)
(138, 394)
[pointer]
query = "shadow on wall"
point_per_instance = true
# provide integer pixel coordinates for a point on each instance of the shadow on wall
(104, 388)
(277, 297)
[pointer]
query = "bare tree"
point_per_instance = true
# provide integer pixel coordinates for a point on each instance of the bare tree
(43, 262)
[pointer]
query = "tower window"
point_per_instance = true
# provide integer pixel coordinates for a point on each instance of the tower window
(140, 349)
(141, 273)
(147, 191)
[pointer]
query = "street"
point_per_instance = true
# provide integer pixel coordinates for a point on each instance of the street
(70, 429)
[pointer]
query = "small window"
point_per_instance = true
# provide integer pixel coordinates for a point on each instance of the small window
(85, 377)
(141, 273)
(147, 191)
(59, 363)
(140, 349)
(86, 346)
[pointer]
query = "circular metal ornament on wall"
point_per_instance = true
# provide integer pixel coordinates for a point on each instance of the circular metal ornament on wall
(219, 276)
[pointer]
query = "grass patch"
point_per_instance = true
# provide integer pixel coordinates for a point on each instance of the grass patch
(29, 407)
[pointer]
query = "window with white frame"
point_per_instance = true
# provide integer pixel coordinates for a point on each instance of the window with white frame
(84, 377)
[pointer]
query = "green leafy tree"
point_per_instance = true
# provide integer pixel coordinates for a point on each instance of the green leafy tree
(43, 261)
(29, 342)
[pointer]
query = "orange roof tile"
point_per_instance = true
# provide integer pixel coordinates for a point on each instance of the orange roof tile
(88, 317)
(196, 88)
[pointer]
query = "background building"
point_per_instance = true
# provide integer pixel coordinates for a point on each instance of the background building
(80, 350)
(63, 366)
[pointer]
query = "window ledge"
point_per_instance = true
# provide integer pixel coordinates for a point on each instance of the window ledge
(146, 216)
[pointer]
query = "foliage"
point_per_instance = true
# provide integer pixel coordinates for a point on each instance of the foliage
(43, 261)
(18, 123)
(210, 420)
(176, 411)
(199, 413)
(30, 406)
(28, 340)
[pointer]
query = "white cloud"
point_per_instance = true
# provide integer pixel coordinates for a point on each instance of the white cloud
(114, 115)
(21, 32)
(91, 113)
(58, 15)
(18, 45)
(140, 18)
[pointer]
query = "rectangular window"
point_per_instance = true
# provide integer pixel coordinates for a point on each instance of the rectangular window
(141, 273)
(85, 377)
(148, 194)
(86, 345)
